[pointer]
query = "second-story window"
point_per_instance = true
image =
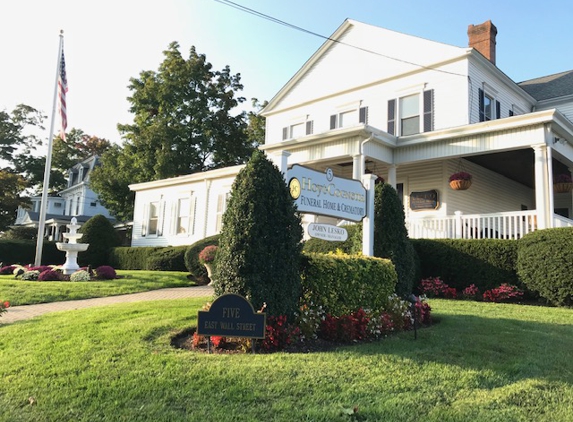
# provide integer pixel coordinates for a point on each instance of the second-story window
(489, 108)
(349, 118)
(410, 115)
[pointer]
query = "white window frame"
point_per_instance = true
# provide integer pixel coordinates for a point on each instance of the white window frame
(222, 200)
(402, 117)
(150, 217)
(187, 212)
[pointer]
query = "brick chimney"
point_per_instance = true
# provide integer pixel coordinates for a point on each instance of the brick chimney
(482, 38)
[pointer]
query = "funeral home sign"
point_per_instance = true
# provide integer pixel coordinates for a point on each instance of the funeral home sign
(320, 193)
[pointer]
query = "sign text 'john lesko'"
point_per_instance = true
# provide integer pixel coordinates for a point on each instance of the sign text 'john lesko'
(320, 193)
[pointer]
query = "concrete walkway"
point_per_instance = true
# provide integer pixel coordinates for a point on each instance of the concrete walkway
(20, 313)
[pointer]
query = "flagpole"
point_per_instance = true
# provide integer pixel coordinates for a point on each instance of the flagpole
(47, 168)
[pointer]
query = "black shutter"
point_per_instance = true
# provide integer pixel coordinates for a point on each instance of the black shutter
(333, 121)
(285, 133)
(510, 113)
(429, 110)
(309, 127)
(481, 105)
(392, 117)
(497, 110)
(363, 118)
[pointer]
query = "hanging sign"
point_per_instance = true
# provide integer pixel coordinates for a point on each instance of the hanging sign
(327, 232)
(426, 200)
(320, 193)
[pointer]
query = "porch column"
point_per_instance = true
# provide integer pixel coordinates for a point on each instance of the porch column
(368, 180)
(542, 191)
(280, 159)
(357, 161)
(392, 175)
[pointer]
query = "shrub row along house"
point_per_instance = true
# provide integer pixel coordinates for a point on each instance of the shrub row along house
(414, 112)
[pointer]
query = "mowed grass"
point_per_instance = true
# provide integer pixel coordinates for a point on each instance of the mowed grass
(19, 292)
(480, 362)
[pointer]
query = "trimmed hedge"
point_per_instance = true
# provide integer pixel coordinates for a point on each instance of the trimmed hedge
(192, 263)
(341, 284)
(168, 259)
(487, 263)
(131, 258)
(24, 252)
(545, 264)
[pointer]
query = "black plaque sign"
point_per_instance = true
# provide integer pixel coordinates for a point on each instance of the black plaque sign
(231, 315)
(426, 200)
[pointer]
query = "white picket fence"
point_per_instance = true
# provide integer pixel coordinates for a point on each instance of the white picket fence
(503, 225)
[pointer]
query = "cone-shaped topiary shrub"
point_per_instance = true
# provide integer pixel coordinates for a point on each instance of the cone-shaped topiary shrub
(260, 243)
(102, 237)
(391, 237)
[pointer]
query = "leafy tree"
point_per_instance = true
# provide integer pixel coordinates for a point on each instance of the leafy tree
(11, 185)
(260, 243)
(183, 123)
(256, 127)
(391, 237)
(111, 181)
(13, 127)
(102, 237)
(65, 153)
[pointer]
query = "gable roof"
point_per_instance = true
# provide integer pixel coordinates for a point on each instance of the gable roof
(549, 87)
(358, 54)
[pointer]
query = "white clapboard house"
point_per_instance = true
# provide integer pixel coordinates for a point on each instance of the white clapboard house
(413, 112)
(76, 200)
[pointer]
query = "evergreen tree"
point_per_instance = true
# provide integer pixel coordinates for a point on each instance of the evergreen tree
(391, 237)
(102, 237)
(260, 243)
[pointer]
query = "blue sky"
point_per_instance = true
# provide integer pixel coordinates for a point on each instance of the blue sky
(109, 41)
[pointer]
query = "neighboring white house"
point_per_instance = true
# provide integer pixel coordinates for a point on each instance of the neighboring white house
(77, 200)
(412, 111)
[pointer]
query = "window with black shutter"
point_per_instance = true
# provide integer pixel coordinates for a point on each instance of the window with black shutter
(391, 117)
(429, 110)
(497, 110)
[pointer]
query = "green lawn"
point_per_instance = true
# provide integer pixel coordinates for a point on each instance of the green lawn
(480, 362)
(19, 292)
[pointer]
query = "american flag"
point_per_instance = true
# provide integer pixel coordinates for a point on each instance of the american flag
(62, 89)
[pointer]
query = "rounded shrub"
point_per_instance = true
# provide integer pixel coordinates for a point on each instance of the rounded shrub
(260, 246)
(105, 272)
(192, 263)
(81, 275)
(545, 264)
(102, 237)
(50, 275)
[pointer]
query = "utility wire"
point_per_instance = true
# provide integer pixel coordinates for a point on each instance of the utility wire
(298, 28)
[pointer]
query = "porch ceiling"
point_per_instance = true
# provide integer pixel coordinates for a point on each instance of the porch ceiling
(515, 165)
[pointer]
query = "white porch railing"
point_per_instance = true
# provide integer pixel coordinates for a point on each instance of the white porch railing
(503, 225)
